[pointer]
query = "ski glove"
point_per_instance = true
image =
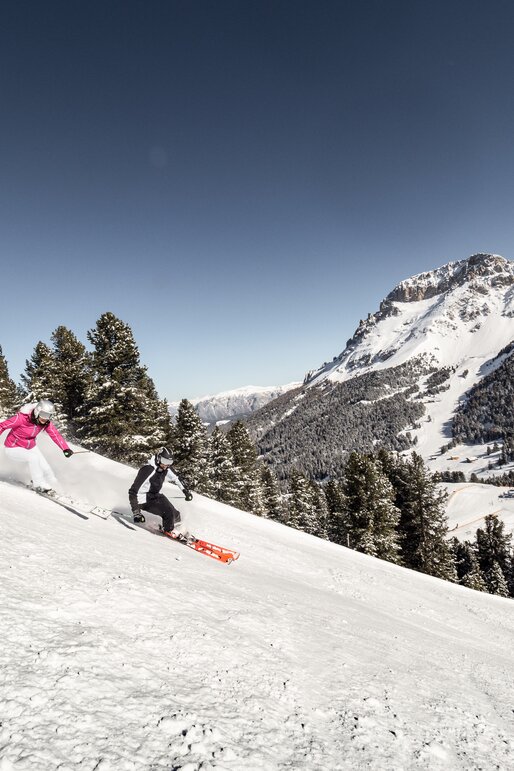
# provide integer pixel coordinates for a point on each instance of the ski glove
(188, 494)
(68, 453)
(138, 515)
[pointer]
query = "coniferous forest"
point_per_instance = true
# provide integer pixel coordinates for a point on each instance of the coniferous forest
(487, 414)
(379, 502)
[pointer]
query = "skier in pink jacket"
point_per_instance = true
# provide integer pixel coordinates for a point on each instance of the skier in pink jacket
(20, 444)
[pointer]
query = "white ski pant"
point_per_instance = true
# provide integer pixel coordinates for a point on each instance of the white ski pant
(40, 471)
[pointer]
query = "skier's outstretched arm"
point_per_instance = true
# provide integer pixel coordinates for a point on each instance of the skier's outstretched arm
(59, 440)
(176, 480)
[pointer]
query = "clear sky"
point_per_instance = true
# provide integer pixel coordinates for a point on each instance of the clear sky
(242, 180)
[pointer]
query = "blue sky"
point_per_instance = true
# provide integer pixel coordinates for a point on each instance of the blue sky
(242, 180)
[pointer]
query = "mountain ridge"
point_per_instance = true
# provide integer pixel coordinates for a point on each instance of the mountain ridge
(448, 325)
(235, 403)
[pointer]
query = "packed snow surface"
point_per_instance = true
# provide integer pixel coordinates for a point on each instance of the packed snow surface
(120, 649)
(469, 504)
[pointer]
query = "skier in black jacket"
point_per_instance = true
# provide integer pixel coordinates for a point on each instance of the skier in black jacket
(145, 492)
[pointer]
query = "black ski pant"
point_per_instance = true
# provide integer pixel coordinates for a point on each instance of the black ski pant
(160, 505)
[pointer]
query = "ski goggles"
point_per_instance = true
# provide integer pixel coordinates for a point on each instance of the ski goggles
(165, 461)
(44, 416)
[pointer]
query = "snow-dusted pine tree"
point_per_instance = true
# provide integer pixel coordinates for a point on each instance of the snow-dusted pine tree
(423, 524)
(10, 396)
(466, 563)
(73, 375)
(496, 581)
(42, 381)
(302, 504)
(224, 477)
(191, 449)
(119, 417)
(40, 377)
(337, 523)
(320, 511)
(474, 579)
(371, 514)
(248, 467)
(272, 499)
(494, 547)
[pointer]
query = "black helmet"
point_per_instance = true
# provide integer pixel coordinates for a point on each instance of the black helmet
(163, 457)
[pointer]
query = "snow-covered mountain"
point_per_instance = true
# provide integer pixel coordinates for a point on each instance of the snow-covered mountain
(434, 336)
(122, 650)
(236, 403)
(459, 316)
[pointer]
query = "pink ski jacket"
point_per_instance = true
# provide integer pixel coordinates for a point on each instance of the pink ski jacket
(23, 432)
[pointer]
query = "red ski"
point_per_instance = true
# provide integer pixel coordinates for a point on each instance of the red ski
(204, 547)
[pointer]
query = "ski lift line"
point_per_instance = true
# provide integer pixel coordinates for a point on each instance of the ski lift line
(472, 521)
(456, 492)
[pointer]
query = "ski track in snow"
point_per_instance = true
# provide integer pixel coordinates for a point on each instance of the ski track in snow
(121, 650)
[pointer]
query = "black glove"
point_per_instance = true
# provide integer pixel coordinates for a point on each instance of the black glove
(188, 494)
(68, 453)
(138, 515)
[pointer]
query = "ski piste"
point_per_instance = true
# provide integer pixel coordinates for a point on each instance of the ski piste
(79, 507)
(82, 509)
(212, 550)
(66, 503)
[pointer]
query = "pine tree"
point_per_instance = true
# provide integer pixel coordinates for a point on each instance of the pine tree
(371, 514)
(119, 414)
(272, 500)
(496, 581)
(494, 548)
(73, 373)
(224, 476)
(337, 528)
(10, 396)
(474, 578)
(302, 504)
(40, 377)
(160, 416)
(248, 467)
(423, 525)
(466, 564)
(165, 422)
(191, 449)
(321, 513)
(41, 380)
(464, 556)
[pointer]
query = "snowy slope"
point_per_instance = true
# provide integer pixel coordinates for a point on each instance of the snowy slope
(122, 650)
(469, 504)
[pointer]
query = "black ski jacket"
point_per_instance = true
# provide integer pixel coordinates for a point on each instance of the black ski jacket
(148, 483)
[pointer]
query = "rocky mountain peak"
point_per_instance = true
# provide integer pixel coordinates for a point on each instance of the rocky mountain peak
(486, 269)
(463, 295)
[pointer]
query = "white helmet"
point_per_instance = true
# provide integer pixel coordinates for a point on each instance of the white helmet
(44, 409)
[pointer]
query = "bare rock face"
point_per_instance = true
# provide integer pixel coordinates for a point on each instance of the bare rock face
(478, 270)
